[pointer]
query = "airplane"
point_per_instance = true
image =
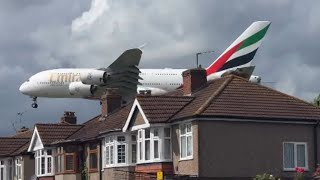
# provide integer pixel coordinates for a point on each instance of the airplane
(125, 76)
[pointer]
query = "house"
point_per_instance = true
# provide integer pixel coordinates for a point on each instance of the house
(15, 161)
(46, 155)
(226, 128)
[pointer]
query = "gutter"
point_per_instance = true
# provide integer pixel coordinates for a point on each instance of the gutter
(316, 144)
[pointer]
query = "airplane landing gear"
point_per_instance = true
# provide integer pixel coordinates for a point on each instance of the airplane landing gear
(34, 104)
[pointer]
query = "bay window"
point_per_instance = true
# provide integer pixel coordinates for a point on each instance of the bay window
(186, 141)
(154, 145)
(44, 162)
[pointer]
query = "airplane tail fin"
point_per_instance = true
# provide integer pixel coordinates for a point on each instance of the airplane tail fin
(241, 52)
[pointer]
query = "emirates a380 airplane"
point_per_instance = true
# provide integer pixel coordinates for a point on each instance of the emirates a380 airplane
(124, 74)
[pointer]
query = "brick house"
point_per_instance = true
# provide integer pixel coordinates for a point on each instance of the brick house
(42, 145)
(15, 161)
(226, 128)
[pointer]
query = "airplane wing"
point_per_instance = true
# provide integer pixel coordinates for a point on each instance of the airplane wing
(123, 73)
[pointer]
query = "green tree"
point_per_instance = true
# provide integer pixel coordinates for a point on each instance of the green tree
(316, 101)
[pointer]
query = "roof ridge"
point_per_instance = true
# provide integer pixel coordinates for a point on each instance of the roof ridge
(287, 95)
(213, 95)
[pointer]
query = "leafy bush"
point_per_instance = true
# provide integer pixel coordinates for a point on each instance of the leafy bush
(264, 176)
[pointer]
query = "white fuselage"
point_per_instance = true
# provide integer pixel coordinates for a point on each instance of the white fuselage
(55, 83)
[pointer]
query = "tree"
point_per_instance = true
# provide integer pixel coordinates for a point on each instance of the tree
(316, 101)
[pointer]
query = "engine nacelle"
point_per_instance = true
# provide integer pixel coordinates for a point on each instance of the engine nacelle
(80, 89)
(255, 79)
(94, 77)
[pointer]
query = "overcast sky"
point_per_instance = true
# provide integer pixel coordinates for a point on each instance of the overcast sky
(36, 35)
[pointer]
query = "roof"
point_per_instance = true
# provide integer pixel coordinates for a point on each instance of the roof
(16, 144)
(94, 127)
(232, 97)
(9, 145)
(50, 133)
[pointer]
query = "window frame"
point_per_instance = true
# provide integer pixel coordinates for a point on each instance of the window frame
(74, 162)
(18, 165)
(160, 139)
(93, 151)
(43, 153)
(295, 144)
(186, 135)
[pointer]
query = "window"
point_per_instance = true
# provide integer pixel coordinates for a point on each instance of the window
(109, 150)
(147, 144)
(186, 141)
(44, 162)
(2, 170)
(154, 144)
(167, 143)
(10, 166)
(59, 160)
(156, 154)
(133, 149)
(294, 155)
(93, 158)
(121, 149)
(18, 168)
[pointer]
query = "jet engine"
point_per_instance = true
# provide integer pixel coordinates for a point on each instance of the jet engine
(255, 79)
(80, 89)
(95, 77)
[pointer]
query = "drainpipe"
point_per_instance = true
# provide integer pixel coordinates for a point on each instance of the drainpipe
(315, 143)
(100, 159)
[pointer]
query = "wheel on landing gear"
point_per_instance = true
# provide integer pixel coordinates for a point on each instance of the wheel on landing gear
(34, 105)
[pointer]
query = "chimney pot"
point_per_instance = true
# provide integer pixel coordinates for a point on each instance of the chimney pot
(23, 129)
(193, 80)
(68, 118)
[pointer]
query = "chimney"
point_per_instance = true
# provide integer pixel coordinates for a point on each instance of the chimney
(193, 80)
(23, 129)
(110, 101)
(68, 118)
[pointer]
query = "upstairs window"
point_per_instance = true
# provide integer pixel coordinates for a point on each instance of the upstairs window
(44, 162)
(294, 155)
(186, 141)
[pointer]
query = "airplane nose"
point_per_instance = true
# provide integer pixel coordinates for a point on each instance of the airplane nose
(23, 88)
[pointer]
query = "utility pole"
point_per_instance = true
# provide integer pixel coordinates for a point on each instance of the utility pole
(199, 53)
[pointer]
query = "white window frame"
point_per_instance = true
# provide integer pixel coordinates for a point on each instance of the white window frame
(108, 144)
(160, 138)
(18, 168)
(3, 169)
(186, 135)
(42, 153)
(295, 144)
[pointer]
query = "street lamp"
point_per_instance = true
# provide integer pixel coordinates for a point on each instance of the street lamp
(199, 53)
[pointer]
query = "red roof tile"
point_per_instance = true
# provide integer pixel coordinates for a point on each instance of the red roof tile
(9, 145)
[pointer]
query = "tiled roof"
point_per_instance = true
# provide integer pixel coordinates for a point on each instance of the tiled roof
(54, 132)
(9, 145)
(230, 96)
(161, 108)
(93, 128)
